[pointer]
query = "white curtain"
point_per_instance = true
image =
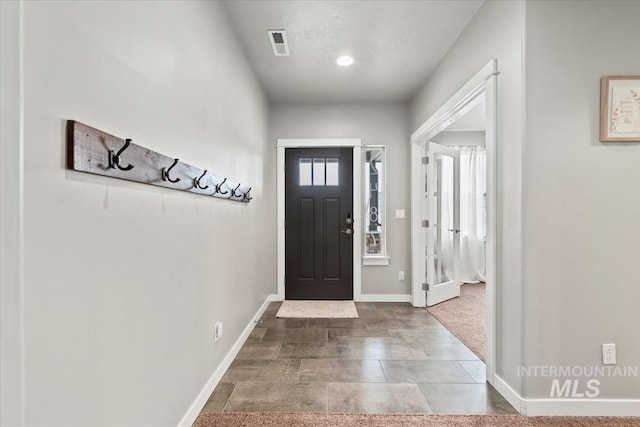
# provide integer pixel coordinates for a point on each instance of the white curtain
(473, 188)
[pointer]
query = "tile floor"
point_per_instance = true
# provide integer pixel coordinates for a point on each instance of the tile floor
(393, 359)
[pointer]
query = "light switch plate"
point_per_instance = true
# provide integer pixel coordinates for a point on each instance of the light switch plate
(400, 213)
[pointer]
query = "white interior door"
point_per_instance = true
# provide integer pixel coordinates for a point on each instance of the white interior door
(441, 184)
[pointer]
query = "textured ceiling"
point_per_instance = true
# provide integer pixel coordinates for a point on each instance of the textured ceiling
(395, 44)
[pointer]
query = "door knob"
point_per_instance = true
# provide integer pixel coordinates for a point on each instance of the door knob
(348, 231)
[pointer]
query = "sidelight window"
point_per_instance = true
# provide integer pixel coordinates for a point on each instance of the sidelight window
(375, 252)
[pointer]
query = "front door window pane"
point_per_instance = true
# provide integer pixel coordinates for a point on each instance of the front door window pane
(332, 172)
(305, 172)
(318, 171)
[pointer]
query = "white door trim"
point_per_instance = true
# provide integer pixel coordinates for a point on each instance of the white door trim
(484, 81)
(357, 204)
(418, 296)
(457, 105)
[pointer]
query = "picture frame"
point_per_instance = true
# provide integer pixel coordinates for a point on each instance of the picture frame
(620, 109)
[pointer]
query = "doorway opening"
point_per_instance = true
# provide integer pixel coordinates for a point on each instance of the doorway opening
(445, 250)
(458, 252)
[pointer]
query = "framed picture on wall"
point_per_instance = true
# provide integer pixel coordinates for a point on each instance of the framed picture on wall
(620, 108)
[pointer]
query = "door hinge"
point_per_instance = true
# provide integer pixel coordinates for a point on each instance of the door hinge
(425, 286)
(425, 160)
(425, 223)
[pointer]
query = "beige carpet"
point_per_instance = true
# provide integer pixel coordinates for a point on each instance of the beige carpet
(336, 420)
(318, 309)
(464, 317)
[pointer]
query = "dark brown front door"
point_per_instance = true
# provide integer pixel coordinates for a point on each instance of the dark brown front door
(319, 223)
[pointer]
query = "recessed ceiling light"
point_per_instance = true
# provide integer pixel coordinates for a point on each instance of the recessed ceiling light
(344, 61)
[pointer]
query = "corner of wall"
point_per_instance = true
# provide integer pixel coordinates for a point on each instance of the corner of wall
(12, 388)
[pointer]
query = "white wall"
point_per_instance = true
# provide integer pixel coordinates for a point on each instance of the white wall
(124, 281)
(580, 196)
(381, 124)
(11, 342)
(494, 32)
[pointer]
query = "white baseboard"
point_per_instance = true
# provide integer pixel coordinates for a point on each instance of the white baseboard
(195, 408)
(383, 298)
(512, 396)
(567, 407)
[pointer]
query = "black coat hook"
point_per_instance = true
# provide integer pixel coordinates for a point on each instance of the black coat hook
(196, 181)
(165, 172)
(233, 192)
(219, 187)
(114, 159)
(246, 195)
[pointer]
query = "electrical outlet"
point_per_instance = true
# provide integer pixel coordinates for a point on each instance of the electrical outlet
(608, 354)
(217, 331)
(401, 275)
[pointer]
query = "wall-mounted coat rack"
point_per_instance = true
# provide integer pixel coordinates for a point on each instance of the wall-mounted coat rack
(93, 151)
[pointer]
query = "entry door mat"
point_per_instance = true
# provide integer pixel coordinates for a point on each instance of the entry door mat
(318, 309)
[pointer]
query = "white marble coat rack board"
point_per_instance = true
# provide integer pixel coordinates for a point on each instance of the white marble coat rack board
(93, 151)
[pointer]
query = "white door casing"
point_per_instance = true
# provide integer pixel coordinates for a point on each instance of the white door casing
(483, 82)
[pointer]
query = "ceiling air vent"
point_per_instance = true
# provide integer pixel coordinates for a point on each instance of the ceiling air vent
(279, 43)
